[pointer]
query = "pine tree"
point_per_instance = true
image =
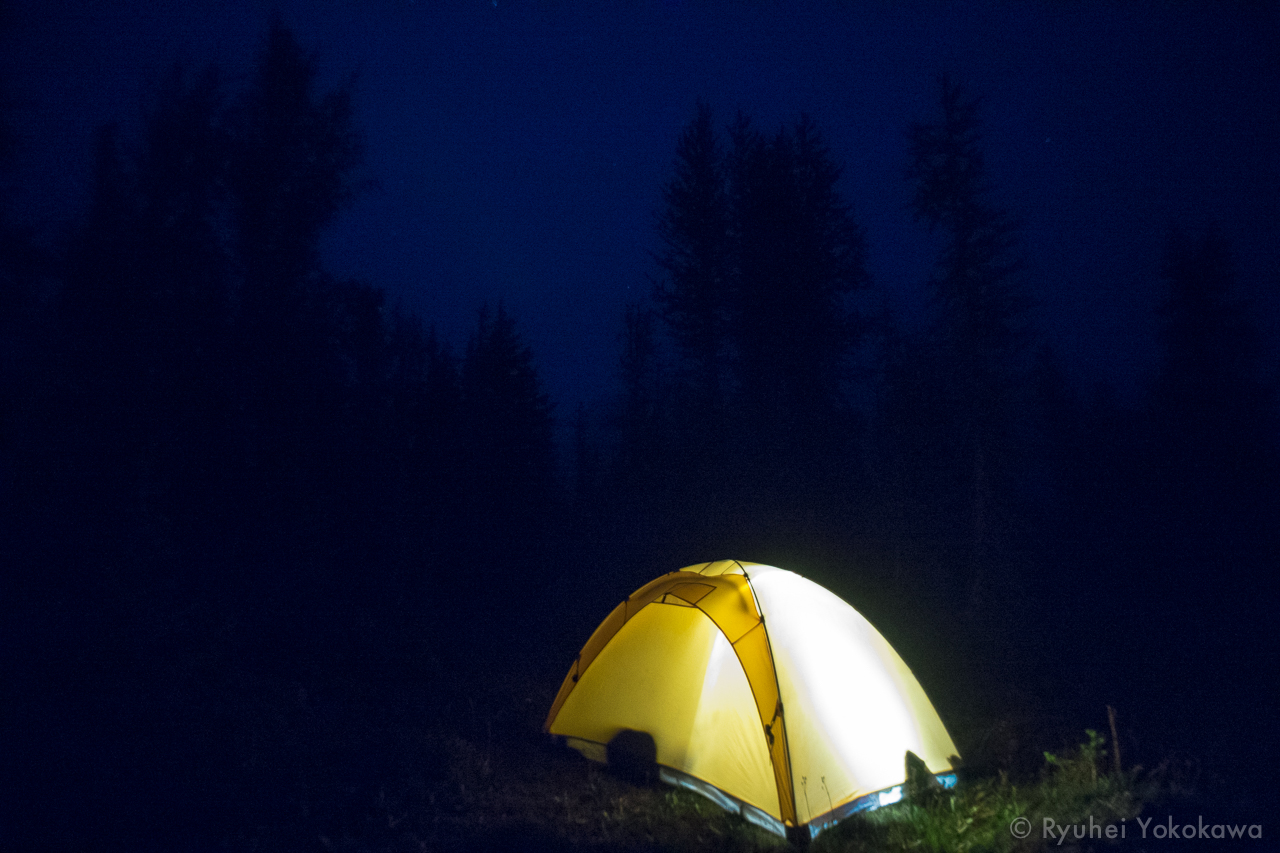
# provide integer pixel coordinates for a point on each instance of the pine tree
(978, 338)
(293, 167)
(694, 294)
(641, 428)
(185, 276)
(146, 309)
(980, 305)
(291, 172)
(101, 362)
(507, 426)
(427, 431)
(1214, 416)
(760, 256)
(797, 257)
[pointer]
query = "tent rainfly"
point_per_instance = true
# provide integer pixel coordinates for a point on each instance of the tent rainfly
(761, 690)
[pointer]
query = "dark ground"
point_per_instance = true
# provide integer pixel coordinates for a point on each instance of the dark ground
(141, 723)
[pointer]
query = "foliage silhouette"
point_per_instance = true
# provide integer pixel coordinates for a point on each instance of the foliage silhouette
(1213, 412)
(759, 257)
(974, 357)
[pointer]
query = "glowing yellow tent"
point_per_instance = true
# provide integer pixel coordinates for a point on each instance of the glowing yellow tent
(761, 690)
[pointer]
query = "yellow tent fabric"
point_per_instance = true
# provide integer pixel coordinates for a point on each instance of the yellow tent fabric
(761, 689)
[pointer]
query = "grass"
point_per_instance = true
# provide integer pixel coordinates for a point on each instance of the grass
(994, 814)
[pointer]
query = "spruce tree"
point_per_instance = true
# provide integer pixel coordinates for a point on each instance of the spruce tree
(978, 338)
(294, 155)
(507, 425)
(1213, 413)
(185, 272)
(694, 292)
(798, 256)
(760, 256)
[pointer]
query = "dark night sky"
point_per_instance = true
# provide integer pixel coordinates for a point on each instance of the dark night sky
(519, 148)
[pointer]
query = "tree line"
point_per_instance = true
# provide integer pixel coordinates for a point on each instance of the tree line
(196, 373)
(182, 370)
(766, 403)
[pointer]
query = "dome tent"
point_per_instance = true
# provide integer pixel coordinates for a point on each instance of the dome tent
(760, 689)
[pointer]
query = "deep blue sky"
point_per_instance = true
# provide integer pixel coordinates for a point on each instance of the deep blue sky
(520, 147)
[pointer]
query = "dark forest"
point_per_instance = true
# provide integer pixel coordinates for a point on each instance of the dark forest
(222, 465)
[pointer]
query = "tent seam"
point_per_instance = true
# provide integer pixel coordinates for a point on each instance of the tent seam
(777, 686)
